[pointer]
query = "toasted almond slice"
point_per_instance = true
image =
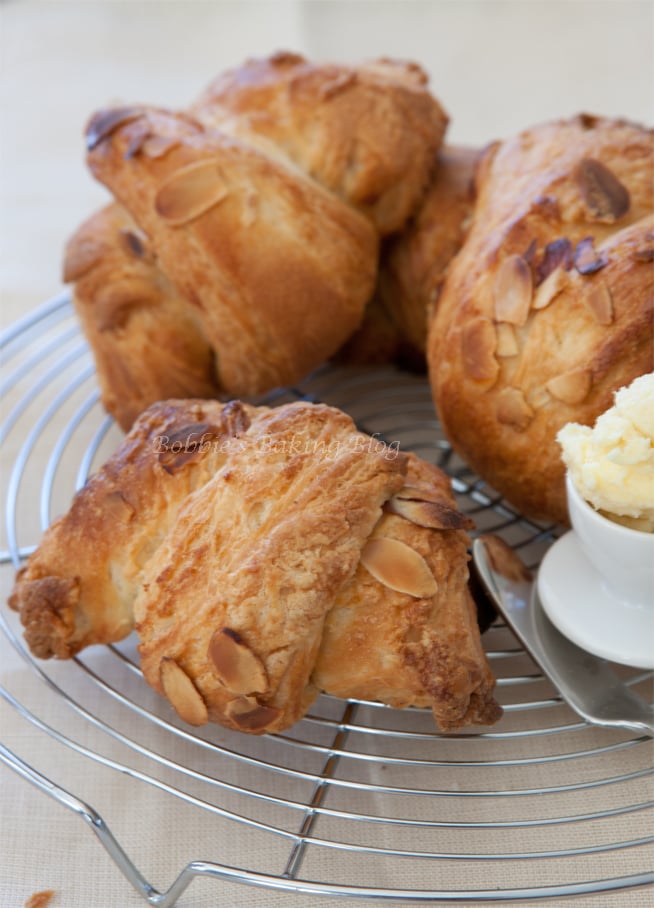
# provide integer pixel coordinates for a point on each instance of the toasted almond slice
(186, 444)
(549, 289)
(432, 514)
(600, 302)
(106, 122)
(399, 567)
(557, 254)
(478, 344)
(586, 259)
(419, 493)
(605, 197)
(159, 146)
(571, 387)
(512, 291)
(190, 191)
(250, 715)
(337, 84)
(182, 693)
(234, 419)
(507, 343)
(137, 136)
(237, 667)
(513, 410)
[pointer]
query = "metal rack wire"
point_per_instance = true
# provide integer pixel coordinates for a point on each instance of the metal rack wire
(356, 796)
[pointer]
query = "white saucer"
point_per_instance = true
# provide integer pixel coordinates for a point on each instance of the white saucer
(577, 601)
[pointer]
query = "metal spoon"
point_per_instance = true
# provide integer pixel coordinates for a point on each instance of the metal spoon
(586, 682)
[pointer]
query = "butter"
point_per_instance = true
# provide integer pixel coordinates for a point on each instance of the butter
(612, 464)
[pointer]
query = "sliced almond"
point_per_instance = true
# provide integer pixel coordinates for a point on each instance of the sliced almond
(507, 342)
(159, 146)
(234, 418)
(600, 302)
(250, 715)
(586, 259)
(557, 254)
(237, 667)
(571, 387)
(190, 191)
(478, 344)
(186, 444)
(399, 567)
(512, 291)
(605, 197)
(432, 514)
(419, 493)
(182, 693)
(106, 122)
(513, 410)
(138, 134)
(337, 84)
(549, 289)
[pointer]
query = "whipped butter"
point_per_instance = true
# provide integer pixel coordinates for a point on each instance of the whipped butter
(612, 464)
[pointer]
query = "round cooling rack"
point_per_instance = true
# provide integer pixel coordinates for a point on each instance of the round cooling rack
(357, 799)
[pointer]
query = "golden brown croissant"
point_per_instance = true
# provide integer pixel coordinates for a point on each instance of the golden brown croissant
(547, 309)
(264, 555)
(259, 213)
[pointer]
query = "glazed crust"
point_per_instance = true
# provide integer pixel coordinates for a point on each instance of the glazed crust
(547, 309)
(243, 545)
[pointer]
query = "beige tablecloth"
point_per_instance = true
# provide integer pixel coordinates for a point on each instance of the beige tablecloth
(496, 66)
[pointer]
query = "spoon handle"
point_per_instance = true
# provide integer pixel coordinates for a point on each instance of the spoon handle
(587, 683)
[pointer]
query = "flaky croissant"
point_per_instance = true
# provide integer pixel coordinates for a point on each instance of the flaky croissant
(265, 555)
(548, 308)
(246, 228)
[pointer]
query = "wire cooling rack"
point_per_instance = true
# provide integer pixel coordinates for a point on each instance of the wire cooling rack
(356, 798)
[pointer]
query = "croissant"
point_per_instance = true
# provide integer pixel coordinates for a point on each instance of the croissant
(265, 555)
(547, 310)
(257, 215)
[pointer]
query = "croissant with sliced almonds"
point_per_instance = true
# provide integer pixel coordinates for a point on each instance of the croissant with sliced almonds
(265, 555)
(242, 245)
(548, 308)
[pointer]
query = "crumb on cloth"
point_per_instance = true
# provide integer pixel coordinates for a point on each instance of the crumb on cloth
(39, 899)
